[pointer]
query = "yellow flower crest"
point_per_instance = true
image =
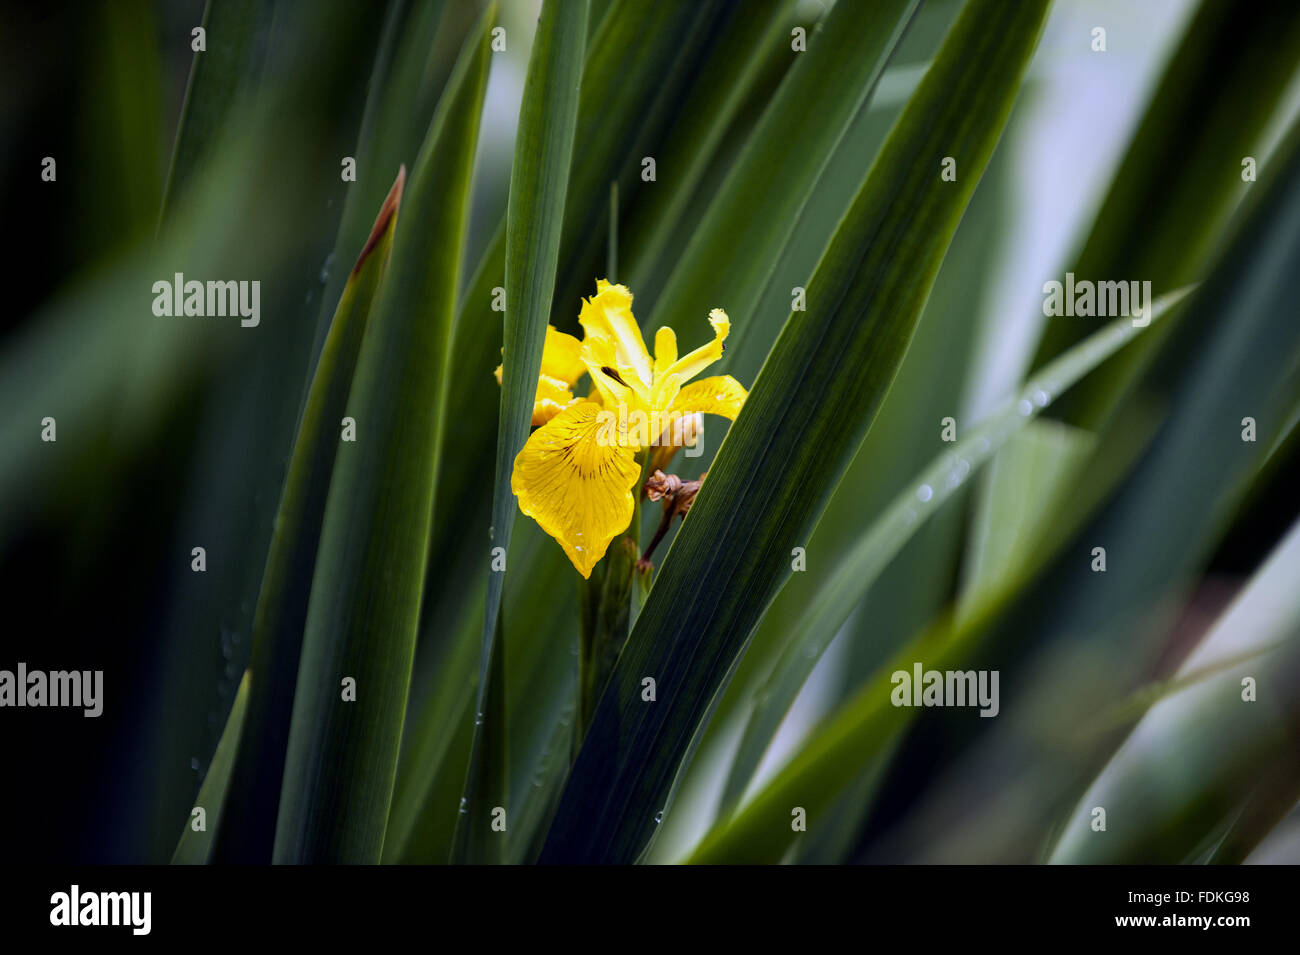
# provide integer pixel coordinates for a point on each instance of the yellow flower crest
(577, 472)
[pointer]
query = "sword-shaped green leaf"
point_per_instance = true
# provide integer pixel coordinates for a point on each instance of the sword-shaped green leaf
(365, 601)
(539, 183)
(195, 845)
(805, 416)
(281, 612)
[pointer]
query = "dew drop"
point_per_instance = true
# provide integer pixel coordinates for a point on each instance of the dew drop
(659, 817)
(924, 493)
(194, 763)
(1041, 398)
(478, 719)
(1025, 408)
(959, 472)
(464, 805)
(325, 268)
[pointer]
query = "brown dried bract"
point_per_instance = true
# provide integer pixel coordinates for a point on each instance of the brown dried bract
(677, 496)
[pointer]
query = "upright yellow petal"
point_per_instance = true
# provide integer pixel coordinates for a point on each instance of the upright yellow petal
(601, 361)
(720, 395)
(692, 364)
(665, 349)
(576, 484)
(608, 314)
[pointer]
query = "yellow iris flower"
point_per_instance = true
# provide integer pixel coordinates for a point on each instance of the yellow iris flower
(576, 473)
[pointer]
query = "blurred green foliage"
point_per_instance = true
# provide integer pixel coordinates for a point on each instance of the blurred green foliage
(776, 169)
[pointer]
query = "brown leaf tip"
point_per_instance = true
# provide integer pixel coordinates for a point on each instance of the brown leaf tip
(382, 222)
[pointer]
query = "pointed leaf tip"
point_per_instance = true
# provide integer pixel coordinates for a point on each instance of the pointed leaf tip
(387, 212)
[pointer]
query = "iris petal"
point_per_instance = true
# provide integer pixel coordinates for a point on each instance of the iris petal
(692, 364)
(576, 483)
(561, 367)
(608, 315)
(720, 395)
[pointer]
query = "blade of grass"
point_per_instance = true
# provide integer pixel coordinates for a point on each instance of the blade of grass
(727, 265)
(1250, 361)
(195, 846)
(410, 69)
(217, 79)
(1196, 754)
(1181, 176)
(250, 407)
(804, 418)
(1026, 485)
(663, 48)
(540, 674)
(436, 741)
(286, 581)
(752, 34)
(366, 592)
(928, 388)
(124, 130)
(1234, 351)
(538, 186)
(834, 600)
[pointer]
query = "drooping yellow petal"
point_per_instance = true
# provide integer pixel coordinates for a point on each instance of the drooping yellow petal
(692, 364)
(561, 356)
(553, 396)
(577, 483)
(720, 395)
(608, 315)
